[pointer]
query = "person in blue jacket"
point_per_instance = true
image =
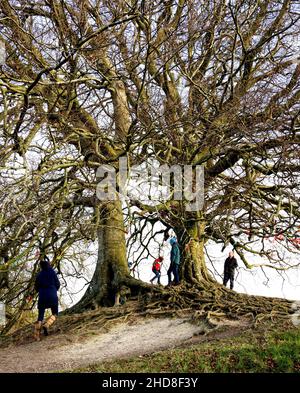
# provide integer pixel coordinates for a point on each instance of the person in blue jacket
(175, 262)
(47, 285)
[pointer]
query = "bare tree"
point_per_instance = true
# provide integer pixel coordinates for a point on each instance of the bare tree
(229, 86)
(212, 83)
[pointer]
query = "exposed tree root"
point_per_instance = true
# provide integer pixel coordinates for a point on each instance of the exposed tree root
(207, 301)
(129, 287)
(202, 303)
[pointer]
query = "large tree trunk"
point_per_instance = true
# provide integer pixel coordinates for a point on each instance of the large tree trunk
(112, 273)
(112, 266)
(111, 278)
(191, 236)
(111, 269)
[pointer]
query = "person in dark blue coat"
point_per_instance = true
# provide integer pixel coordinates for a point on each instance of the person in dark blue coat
(175, 262)
(47, 285)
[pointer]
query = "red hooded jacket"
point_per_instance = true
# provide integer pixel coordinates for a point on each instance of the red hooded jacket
(156, 265)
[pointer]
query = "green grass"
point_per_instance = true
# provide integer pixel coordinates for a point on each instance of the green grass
(250, 352)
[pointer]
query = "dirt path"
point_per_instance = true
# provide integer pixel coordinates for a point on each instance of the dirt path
(63, 352)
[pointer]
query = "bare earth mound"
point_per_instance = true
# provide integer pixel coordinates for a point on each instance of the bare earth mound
(133, 338)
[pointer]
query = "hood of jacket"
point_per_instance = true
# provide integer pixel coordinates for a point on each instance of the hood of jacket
(173, 241)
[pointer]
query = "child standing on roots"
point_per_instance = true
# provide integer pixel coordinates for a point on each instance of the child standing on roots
(47, 285)
(156, 269)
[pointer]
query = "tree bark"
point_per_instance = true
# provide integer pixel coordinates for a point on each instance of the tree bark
(111, 269)
(191, 236)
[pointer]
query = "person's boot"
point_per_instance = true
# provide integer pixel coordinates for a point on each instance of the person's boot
(37, 330)
(48, 323)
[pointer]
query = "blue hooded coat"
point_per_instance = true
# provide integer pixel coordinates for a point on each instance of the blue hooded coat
(47, 285)
(175, 252)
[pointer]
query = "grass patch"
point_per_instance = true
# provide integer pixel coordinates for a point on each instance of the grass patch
(251, 352)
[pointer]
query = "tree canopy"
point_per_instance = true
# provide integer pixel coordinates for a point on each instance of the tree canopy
(211, 83)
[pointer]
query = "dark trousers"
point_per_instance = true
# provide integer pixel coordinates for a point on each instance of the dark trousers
(173, 269)
(157, 275)
(228, 276)
(54, 310)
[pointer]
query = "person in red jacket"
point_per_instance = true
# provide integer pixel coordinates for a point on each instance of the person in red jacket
(156, 269)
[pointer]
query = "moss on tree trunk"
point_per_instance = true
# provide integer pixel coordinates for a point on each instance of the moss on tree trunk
(111, 268)
(191, 237)
(111, 278)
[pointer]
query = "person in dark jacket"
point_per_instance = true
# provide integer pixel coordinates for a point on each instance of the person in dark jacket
(156, 269)
(229, 267)
(175, 262)
(47, 285)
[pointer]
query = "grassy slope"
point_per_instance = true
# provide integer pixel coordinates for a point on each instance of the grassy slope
(252, 351)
